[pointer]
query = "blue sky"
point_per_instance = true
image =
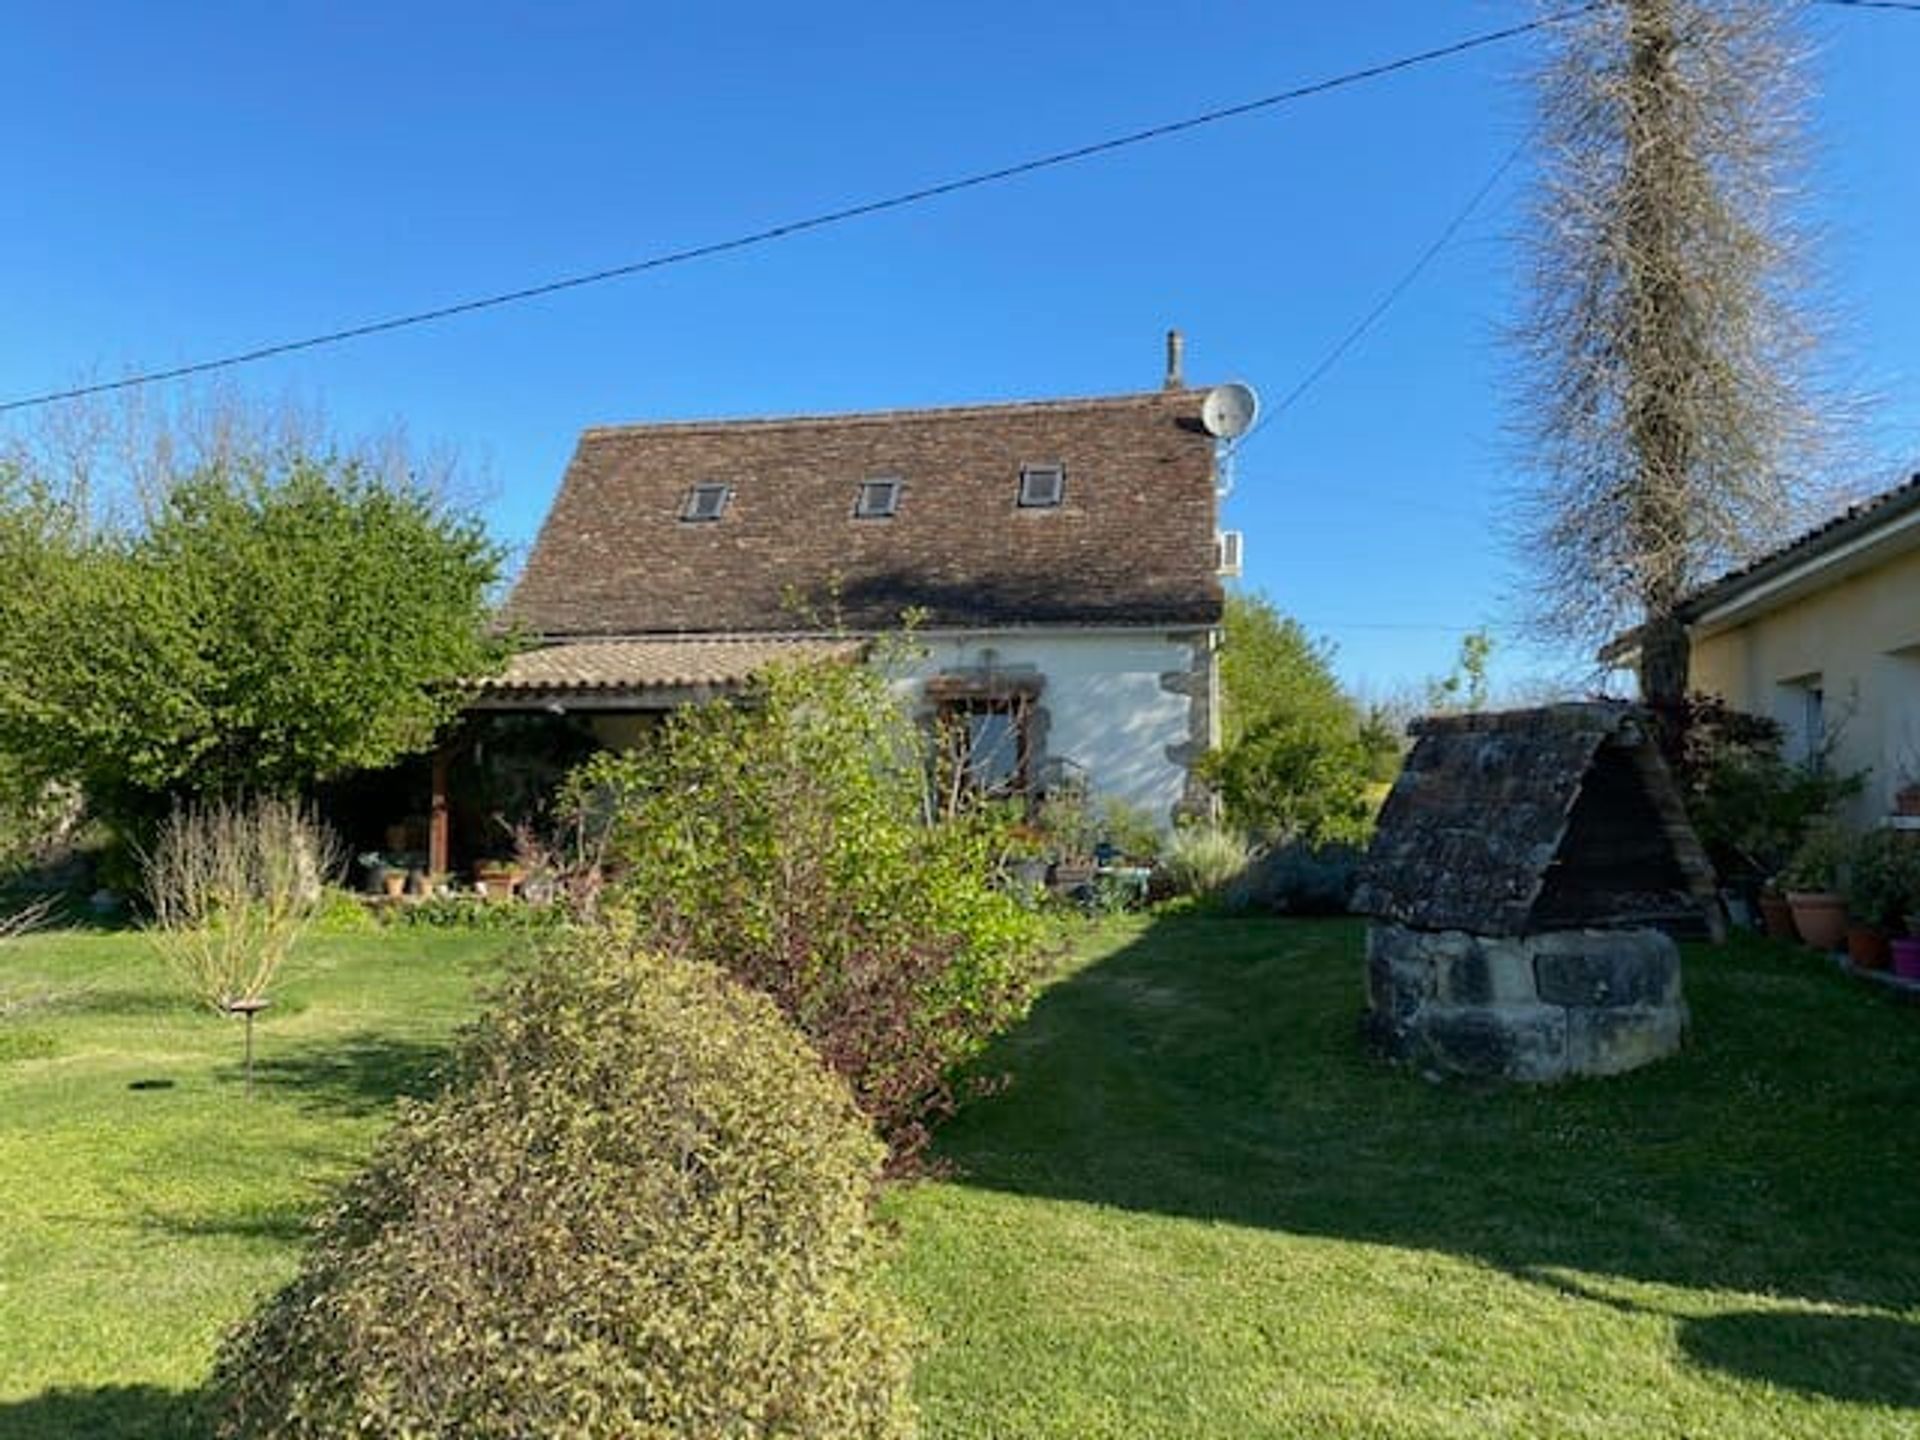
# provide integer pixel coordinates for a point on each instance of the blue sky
(182, 181)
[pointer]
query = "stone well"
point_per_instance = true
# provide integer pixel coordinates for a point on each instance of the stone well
(1524, 882)
(1532, 1007)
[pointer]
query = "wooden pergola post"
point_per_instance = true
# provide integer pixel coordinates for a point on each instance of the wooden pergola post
(438, 858)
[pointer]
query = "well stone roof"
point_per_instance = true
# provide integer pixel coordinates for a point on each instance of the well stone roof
(1483, 830)
(1133, 542)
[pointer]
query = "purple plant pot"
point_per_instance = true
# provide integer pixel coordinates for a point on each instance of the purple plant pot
(1906, 958)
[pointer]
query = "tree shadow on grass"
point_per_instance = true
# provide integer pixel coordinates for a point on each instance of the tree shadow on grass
(1866, 1359)
(359, 1074)
(1213, 1069)
(281, 1226)
(110, 1412)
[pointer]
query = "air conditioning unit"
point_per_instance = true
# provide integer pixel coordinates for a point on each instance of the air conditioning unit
(1227, 545)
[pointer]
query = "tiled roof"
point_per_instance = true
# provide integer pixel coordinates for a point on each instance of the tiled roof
(1849, 524)
(1131, 544)
(628, 665)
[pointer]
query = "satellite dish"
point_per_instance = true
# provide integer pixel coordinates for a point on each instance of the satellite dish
(1228, 410)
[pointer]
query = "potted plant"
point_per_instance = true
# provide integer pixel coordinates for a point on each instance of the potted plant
(1904, 951)
(497, 878)
(383, 876)
(1878, 882)
(1025, 859)
(1776, 916)
(1067, 821)
(1812, 884)
(1752, 808)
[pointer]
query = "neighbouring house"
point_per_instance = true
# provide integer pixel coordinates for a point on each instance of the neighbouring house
(1823, 635)
(1060, 559)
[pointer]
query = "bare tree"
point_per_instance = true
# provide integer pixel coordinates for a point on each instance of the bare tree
(1668, 408)
(231, 887)
(112, 458)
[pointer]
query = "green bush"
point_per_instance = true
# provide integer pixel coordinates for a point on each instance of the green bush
(1130, 829)
(1298, 757)
(1299, 879)
(1202, 860)
(639, 1210)
(1884, 877)
(1751, 807)
(1821, 859)
(476, 913)
(340, 912)
(791, 840)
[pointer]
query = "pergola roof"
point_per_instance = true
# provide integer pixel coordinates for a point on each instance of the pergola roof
(641, 666)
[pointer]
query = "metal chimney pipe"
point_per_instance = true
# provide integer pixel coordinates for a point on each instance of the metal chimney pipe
(1176, 345)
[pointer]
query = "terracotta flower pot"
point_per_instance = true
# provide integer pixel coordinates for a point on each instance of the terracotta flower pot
(1906, 958)
(1820, 916)
(394, 882)
(497, 879)
(1777, 916)
(1867, 947)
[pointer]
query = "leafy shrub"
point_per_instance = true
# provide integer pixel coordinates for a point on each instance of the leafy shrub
(1298, 758)
(231, 886)
(1296, 779)
(1751, 807)
(1067, 820)
(1884, 877)
(790, 841)
(1202, 860)
(639, 1210)
(1298, 879)
(475, 913)
(339, 912)
(1820, 860)
(1129, 828)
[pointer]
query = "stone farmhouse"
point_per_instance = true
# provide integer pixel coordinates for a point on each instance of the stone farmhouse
(1060, 560)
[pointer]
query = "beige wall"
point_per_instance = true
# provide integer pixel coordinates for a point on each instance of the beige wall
(1856, 642)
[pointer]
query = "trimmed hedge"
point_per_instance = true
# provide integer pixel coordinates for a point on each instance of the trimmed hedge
(640, 1210)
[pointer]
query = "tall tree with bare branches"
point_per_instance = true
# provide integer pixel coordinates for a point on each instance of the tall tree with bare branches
(1667, 407)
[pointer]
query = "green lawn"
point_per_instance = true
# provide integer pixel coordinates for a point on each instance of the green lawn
(143, 1201)
(1191, 1208)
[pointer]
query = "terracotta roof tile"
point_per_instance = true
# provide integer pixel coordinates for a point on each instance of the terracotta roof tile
(589, 665)
(1828, 535)
(1131, 544)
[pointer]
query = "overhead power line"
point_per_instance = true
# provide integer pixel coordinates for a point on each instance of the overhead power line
(819, 221)
(1427, 256)
(1400, 286)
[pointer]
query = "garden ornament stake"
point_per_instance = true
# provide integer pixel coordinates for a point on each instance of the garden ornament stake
(248, 1007)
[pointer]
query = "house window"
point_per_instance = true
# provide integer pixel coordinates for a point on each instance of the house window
(1042, 487)
(877, 500)
(705, 502)
(1800, 705)
(988, 744)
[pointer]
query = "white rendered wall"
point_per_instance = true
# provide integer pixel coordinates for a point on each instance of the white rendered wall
(1105, 705)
